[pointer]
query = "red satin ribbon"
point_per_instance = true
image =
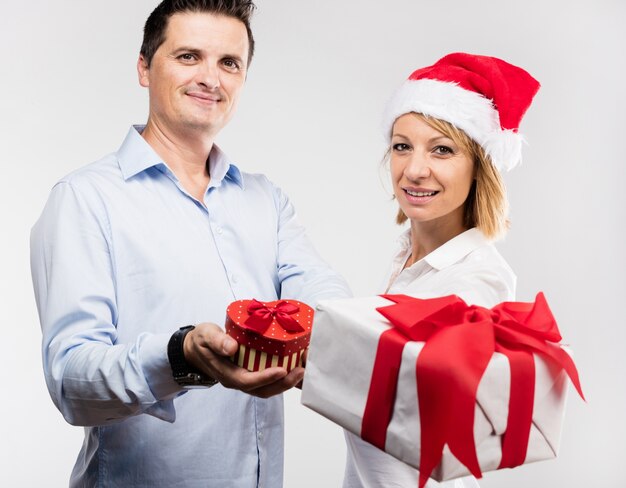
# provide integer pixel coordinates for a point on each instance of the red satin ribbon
(261, 316)
(459, 342)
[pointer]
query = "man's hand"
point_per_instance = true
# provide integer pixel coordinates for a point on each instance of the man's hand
(207, 348)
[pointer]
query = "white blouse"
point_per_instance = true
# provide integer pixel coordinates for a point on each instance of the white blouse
(468, 266)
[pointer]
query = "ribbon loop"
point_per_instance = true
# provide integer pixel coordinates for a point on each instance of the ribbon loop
(261, 316)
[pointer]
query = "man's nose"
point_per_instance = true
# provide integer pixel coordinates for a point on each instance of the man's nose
(209, 75)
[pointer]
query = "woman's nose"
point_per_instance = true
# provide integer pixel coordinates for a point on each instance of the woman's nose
(418, 167)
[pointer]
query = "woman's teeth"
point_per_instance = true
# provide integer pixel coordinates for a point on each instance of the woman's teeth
(420, 193)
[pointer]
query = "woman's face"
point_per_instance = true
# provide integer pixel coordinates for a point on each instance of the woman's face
(431, 174)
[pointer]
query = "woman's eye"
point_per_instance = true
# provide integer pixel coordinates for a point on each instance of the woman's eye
(443, 150)
(400, 147)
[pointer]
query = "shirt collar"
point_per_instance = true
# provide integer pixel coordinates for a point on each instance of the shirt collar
(220, 168)
(136, 155)
(452, 251)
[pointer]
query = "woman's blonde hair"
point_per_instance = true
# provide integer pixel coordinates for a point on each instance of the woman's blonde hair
(486, 206)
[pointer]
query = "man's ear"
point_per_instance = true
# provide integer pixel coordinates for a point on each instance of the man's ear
(143, 71)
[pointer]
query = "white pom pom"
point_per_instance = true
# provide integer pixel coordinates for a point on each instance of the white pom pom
(505, 149)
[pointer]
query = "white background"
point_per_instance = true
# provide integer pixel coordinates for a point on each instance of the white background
(309, 118)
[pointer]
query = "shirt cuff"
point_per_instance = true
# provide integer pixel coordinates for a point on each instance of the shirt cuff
(157, 369)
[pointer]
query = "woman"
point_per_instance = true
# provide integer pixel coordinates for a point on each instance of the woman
(452, 128)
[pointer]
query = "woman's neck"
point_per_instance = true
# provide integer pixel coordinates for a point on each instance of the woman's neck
(428, 236)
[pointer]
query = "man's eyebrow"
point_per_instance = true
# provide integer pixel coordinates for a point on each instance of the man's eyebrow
(186, 49)
(195, 50)
(236, 57)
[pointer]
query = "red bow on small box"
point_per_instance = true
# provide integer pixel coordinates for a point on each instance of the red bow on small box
(261, 316)
(459, 342)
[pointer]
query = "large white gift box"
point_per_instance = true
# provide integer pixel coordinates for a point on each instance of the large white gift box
(337, 381)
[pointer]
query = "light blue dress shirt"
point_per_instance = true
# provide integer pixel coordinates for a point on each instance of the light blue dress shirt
(121, 257)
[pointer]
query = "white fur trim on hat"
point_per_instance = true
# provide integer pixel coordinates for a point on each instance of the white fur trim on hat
(467, 110)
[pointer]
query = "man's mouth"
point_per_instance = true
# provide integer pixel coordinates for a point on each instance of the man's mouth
(205, 97)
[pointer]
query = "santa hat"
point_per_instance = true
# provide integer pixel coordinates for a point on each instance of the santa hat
(483, 96)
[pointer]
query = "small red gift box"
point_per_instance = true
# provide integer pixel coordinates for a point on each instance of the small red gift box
(269, 333)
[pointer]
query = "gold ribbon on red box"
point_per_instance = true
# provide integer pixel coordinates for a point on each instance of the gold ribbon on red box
(460, 340)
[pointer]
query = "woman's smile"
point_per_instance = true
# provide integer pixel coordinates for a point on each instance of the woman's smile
(419, 196)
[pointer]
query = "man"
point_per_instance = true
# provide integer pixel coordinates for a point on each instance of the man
(134, 249)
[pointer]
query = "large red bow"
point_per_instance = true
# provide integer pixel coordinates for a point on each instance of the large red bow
(261, 316)
(459, 342)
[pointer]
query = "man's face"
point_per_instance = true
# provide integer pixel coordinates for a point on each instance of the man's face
(196, 75)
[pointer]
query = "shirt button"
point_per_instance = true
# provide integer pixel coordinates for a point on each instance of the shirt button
(234, 278)
(259, 435)
(219, 230)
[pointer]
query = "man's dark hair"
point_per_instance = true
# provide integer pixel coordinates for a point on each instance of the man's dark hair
(156, 25)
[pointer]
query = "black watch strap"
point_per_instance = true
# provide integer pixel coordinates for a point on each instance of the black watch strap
(184, 374)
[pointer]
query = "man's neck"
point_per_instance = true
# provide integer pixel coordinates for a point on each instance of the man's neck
(185, 154)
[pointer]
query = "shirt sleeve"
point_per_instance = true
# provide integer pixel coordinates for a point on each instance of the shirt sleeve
(302, 273)
(92, 379)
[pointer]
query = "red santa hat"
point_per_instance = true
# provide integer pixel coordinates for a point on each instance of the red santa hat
(483, 96)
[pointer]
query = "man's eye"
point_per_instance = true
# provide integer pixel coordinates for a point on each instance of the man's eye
(187, 57)
(231, 64)
(400, 147)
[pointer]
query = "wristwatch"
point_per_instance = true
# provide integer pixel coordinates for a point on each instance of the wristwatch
(184, 374)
